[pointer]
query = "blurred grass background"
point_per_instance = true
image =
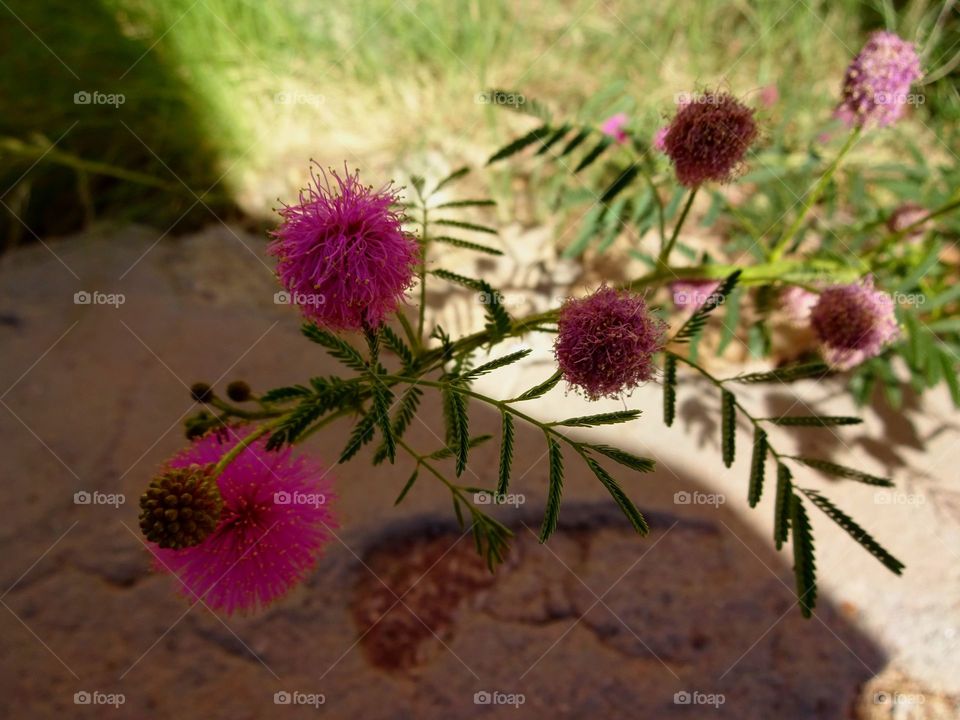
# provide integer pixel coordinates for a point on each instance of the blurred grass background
(225, 100)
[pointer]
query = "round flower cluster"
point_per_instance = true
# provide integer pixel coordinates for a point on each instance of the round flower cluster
(876, 86)
(343, 254)
(854, 323)
(708, 138)
(606, 342)
(275, 519)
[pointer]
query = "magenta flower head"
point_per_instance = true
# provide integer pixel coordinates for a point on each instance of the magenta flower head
(274, 521)
(854, 323)
(343, 255)
(708, 138)
(876, 86)
(606, 342)
(613, 127)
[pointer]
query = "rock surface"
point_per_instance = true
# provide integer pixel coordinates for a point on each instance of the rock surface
(401, 620)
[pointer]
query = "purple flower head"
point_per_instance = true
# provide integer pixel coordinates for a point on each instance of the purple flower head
(854, 323)
(692, 294)
(613, 127)
(342, 253)
(708, 138)
(876, 86)
(606, 342)
(274, 522)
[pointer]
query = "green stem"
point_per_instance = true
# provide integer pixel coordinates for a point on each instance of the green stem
(665, 252)
(813, 197)
(244, 443)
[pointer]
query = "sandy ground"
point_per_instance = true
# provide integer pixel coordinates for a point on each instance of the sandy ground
(399, 620)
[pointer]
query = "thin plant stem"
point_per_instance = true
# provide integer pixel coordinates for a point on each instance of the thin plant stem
(664, 258)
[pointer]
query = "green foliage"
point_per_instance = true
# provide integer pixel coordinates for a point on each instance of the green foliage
(804, 566)
(728, 426)
(782, 505)
(757, 463)
(813, 420)
(840, 471)
(610, 418)
(634, 462)
(541, 389)
(669, 388)
(496, 364)
(693, 326)
(554, 490)
(506, 453)
(336, 346)
(623, 502)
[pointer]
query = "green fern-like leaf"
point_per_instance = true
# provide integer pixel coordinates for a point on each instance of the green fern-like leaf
(466, 244)
(813, 420)
(669, 389)
(477, 202)
(452, 177)
(407, 486)
(554, 138)
(282, 394)
(466, 226)
(757, 468)
(337, 347)
(692, 327)
(458, 425)
(512, 148)
(610, 418)
(804, 565)
(397, 345)
(855, 531)
(634, 462)
(575, 142)
(361, 435)
(781, 517)
(785, 374)
(834, 470)
(506, 453)
(623, 502)
(618, 185)
(498, 321)
(595, 153)
(496, 364)
(728, 426)
(554, 491)
(539, 390)
(401, 421)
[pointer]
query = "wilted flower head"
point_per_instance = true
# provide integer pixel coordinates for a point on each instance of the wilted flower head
(692, 293)
(877, 83)
(854, 323)
(905, 216)
(605, 342)
(613, 127)
(342, 253)
(274, 521)
(797, 302)
(708, 138)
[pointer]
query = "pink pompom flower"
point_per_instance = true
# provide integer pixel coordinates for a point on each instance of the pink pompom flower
(709, 137)
(613, 127)
(275, 520)
(853, 323)
(876, 86)
(606, 342)
(343, 255)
